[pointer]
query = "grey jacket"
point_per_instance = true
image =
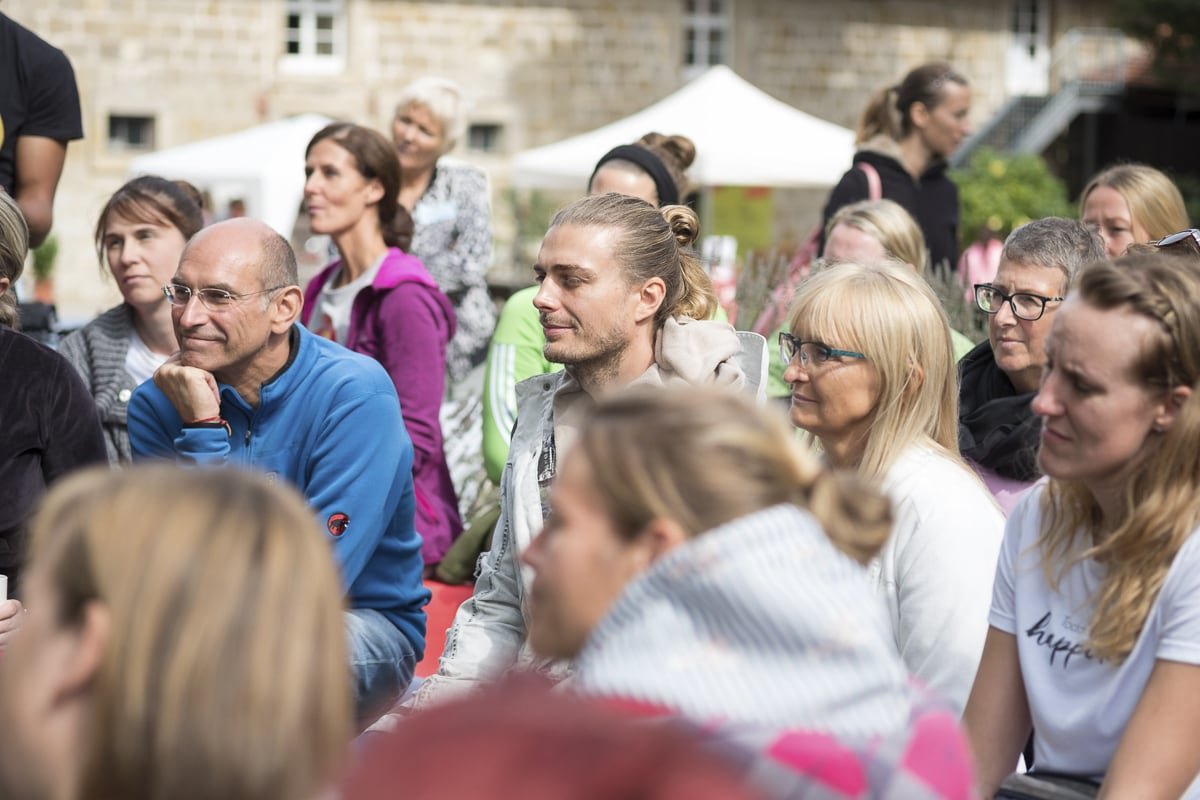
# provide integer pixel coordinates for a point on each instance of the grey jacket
(97, 351)
(488, 635)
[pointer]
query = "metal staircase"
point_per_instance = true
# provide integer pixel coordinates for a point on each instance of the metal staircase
(1088, 71)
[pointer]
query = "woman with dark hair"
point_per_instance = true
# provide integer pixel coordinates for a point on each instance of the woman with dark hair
(904, 137)
(378, 300)
(140, 236)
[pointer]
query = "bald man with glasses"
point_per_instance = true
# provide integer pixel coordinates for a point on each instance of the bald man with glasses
(252, 388)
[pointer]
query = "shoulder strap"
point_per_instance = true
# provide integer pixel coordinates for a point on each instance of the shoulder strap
(874, 185)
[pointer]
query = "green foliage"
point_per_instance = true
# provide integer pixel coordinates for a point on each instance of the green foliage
(532, 210)
(1171, 28)
(964, 317)
(1189, 187)
(1001, 192)
(45, 256)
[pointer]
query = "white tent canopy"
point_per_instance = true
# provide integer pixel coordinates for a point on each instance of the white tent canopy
(263, 165)
(743, 137)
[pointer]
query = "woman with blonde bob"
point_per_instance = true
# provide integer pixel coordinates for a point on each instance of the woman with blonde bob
(872, 373)
(875, 230)
(865, 232)
(1132, 204)
(185, 640)
(1095, 632)
(690, 562)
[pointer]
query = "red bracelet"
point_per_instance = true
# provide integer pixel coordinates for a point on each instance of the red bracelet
(212, 421)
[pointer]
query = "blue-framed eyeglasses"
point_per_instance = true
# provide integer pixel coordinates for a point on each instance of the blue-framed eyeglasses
(811, 353)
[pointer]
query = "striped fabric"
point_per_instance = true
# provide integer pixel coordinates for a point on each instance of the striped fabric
(501, 386)
(764, 631)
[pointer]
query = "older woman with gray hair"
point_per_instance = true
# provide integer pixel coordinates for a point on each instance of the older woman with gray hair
(997, 431)
(449, 204)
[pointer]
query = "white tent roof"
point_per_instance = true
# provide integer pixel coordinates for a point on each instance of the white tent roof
(263, 165)
(743, 137)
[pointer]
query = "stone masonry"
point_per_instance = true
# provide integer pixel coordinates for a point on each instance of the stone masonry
(540, 70)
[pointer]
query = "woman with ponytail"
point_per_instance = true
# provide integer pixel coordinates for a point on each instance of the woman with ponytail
(1094, 643)
(904, 138)
(623, 301)
(378, 300)
(696, 562)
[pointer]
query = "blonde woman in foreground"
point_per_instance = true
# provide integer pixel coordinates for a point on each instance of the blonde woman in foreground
(1094, 643)
(185, 640)
(697, 564)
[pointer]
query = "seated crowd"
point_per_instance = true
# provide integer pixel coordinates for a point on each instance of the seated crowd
(885, 561)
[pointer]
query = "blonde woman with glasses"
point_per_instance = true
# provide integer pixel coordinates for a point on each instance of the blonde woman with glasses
(872, 374)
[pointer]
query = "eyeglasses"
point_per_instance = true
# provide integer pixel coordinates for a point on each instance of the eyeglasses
(213, 299)
(811, 353)
(1024, 305)
(1188, 241)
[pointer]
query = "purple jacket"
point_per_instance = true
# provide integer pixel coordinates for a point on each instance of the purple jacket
(404, 322)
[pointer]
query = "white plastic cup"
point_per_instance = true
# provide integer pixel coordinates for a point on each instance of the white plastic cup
(3, 588)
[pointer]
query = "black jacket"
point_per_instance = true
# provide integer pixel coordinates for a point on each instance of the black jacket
(932, 201)
(996, 426)
(48, 427)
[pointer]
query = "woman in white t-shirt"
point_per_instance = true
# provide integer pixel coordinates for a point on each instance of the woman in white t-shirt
(140, 237)
(870, 362)
(1094, 644)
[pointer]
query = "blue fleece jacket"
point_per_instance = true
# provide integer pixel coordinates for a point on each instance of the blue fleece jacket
(330, 423)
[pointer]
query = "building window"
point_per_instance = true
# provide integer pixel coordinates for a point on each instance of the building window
(705, 33)
(484, 137)
(130, 133)
(314, 29)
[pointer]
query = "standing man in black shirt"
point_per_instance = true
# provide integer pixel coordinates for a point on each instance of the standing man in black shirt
(39, 114)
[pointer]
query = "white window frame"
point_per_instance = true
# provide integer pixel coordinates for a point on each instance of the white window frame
(701, 23)
(308, 60)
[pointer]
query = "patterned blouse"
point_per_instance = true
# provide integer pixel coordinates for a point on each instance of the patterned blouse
(453, 238)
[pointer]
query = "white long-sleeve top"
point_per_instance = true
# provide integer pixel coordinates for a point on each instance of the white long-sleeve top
(937, 567)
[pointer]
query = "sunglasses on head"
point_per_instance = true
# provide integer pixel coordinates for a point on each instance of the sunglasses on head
(1184, 241)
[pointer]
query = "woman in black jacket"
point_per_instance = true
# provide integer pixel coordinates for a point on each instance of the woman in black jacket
(906, 133)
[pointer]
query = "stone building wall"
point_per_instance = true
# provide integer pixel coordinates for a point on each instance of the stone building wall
(541, 70)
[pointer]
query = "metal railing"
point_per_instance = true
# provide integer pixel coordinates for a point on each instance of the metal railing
(1088, 69)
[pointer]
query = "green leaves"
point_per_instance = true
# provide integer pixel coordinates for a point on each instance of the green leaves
(1001, 192)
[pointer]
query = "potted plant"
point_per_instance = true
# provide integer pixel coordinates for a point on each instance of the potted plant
(45, 256)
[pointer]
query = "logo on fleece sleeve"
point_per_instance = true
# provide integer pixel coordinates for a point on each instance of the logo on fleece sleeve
(337, 523)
